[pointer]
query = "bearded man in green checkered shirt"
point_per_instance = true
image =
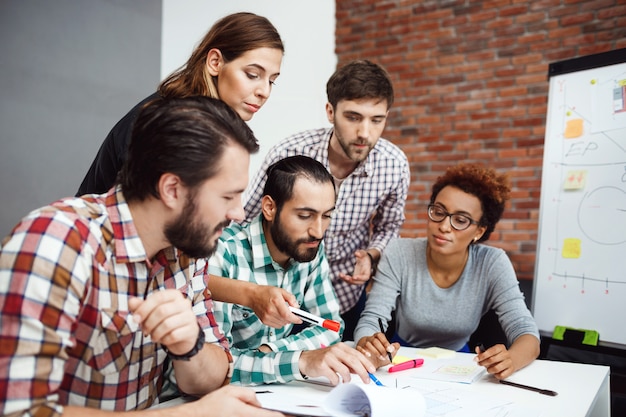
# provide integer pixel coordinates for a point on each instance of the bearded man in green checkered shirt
(283, 247)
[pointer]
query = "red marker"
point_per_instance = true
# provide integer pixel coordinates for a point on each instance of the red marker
(310, 318)
(413, 363)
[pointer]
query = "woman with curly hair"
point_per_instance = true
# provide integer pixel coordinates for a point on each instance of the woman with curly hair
(440, 286)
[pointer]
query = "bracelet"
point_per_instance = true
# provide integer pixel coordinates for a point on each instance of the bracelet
(193, 352)
(372, 262)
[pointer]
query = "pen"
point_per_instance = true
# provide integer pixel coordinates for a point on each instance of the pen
(376, 381)
(413, 363)
(382, 330)
(539, 390)
(310, 318)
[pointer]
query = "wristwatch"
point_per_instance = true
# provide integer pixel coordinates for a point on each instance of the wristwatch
(193, 352)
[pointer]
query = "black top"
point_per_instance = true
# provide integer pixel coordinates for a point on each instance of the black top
(102, 174)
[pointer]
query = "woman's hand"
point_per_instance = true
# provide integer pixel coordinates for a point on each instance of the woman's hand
(377, 349)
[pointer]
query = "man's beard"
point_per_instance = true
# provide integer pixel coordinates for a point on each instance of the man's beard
(289, 246)
(190, 235)
(350, 152)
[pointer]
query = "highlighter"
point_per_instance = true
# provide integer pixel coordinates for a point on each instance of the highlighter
(413, 363)
(312, 319)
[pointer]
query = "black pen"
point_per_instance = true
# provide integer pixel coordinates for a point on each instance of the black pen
(539, 390)
(382, 330)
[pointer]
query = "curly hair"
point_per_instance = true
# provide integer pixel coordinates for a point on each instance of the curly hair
(490, 187)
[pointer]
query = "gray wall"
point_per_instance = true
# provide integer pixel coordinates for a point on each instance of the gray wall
(69, 69)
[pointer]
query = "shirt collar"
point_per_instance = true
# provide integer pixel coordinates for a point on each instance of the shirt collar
(127, 244)
(261, 256)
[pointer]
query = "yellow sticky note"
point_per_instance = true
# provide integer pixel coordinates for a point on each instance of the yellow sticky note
(399, 359)
(575, 180)
(571, 248)
(573, 128)
(437, 352)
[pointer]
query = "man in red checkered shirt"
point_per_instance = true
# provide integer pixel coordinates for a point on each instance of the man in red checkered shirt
(97, 292)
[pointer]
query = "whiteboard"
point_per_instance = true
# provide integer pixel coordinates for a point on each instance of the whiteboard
(580, 274)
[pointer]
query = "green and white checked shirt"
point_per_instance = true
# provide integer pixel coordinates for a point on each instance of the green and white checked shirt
(242, 254)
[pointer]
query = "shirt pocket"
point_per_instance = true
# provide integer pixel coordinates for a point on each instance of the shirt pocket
(112, 342)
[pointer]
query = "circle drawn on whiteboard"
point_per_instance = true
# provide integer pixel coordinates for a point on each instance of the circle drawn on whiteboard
(602, 215)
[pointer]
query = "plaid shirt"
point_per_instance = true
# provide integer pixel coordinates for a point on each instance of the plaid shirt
(376, 189)
(67, 337)
(242, 254)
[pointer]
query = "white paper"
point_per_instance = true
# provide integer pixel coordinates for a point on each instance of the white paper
(461, 368)
(294, 405)
(350, 400)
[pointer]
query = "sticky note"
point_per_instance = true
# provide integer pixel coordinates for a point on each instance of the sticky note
(571, 248)
(399, 359)
(573, 128)
(575, 180)
(438, 353)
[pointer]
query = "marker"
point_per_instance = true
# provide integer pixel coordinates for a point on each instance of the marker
(413, 363)
(312, 319)
(376, 381)
(528, 387)
(382, 330)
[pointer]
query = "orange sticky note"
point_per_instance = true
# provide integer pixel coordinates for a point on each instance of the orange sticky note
(573, 128)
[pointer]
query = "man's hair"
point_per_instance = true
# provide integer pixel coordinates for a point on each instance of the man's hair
(233, 35)
(183, 136)
(282, 175)
(359, 80)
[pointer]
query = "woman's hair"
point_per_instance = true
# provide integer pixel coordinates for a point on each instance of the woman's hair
(491, 188)
(233, 35)
(183, 136)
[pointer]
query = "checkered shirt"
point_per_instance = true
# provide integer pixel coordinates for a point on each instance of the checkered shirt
(376, 189)
(66, 336)
(243, 254)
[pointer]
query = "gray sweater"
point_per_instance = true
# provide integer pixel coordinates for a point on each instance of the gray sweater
(427, 315)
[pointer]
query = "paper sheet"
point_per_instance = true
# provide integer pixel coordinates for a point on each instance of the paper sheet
(356, 399)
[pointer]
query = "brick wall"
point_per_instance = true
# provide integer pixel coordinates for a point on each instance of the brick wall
(471, 85)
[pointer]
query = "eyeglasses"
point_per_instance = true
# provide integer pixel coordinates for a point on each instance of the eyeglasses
(457, 221)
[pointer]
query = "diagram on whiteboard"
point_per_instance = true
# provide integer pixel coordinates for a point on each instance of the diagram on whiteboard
(580, 277)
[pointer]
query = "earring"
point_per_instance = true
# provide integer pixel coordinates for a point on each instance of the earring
(475, 239)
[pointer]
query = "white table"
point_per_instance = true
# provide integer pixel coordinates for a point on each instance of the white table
(583, 390)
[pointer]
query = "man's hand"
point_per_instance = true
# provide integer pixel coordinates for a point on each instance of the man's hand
(229, 401)
(376, 347)
(362, 269)
(168, 318)
(271, 305)
(336, 363)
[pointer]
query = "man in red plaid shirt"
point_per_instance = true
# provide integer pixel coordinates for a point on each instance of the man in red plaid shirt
(97, 292)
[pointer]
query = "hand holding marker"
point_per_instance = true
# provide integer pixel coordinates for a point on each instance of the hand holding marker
(312, 319)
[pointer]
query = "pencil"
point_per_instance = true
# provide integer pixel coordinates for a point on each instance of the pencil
(382, 330)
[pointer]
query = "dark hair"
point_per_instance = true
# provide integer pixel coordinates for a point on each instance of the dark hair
(233, 35)
(491, 188)
(183, 136)
(282, 175)
(358, 80)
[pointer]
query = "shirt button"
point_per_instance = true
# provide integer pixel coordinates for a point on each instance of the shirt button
(246, 315)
